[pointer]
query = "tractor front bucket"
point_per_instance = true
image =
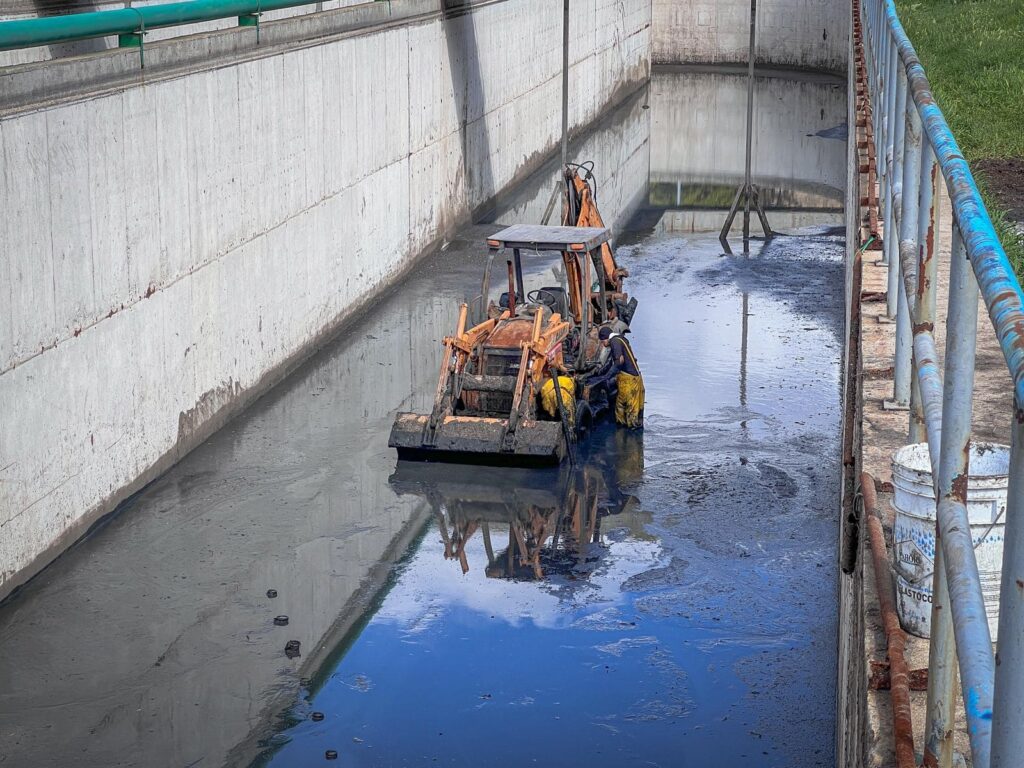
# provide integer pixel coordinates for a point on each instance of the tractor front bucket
(477, 440)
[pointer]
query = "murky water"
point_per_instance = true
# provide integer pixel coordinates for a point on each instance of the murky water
(671, 600)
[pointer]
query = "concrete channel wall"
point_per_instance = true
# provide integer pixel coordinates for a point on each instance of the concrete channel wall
(788, 147)
(174, 243)
(805, 34)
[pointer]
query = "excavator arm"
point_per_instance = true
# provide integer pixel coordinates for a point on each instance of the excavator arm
(581, 211)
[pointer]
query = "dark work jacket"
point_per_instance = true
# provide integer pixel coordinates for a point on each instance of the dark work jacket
(618, 346)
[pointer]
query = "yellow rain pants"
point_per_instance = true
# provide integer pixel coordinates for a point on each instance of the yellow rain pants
(629, 405)
(550, 403)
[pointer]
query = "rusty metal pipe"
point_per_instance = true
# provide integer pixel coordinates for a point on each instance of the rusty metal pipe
(511, 290)
(895, 640)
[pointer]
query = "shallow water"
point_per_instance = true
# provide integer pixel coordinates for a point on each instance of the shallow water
(698, 615)
(671, 600)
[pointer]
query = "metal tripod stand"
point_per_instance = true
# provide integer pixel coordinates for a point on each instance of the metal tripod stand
(747, 191)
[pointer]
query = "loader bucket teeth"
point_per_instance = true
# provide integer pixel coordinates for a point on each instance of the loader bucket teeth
(477, 441)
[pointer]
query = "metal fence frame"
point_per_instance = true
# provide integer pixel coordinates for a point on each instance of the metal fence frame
(131, 24)
(915, 146)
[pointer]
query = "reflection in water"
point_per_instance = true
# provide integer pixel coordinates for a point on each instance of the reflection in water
(699, 195)
(541, 530)
(744, 333)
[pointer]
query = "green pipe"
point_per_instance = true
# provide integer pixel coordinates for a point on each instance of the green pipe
(28, 33)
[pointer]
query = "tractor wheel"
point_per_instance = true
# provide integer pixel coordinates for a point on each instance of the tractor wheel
(584, 420)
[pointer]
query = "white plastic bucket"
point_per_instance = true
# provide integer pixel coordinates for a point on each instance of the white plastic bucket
(914, 529)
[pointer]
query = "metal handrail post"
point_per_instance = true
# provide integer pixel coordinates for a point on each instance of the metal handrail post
(967, 604)
(874, 53)
(900, 400)
(916, 432)
(897, 125)
(884, 140)
(884, 38)
(940, 708)
(877, 96)
(1008, 712)
(927, 235)
(868, 11)
(887, 67)
(942, 663)
(926, 272)
(907, 255)
(887, 144)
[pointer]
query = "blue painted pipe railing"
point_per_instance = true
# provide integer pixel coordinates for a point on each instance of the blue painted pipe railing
(908, 131)
(47, 30)
(996, 279)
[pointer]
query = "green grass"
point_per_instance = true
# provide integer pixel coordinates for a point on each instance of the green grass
(973, 53)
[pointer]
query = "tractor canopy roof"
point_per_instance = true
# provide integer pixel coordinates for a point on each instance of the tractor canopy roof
(535, 237)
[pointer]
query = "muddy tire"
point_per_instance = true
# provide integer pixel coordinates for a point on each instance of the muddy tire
(584, 420)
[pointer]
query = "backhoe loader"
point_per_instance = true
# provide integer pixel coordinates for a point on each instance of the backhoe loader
(512, 386)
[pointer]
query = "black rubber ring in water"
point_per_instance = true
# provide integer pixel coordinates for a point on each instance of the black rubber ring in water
(331, 754)
(271, 593)
(316, 717)
(281, 621)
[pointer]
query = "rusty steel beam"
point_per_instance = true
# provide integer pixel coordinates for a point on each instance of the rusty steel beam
(865, 135)
(895, 639)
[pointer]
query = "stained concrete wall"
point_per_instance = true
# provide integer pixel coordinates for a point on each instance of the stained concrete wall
(620, 150)
(174, 246)
(852, 721)
(700, 119)
(807, 34)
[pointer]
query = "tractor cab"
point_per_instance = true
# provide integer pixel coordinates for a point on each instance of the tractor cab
(589, 293)
(512, 386)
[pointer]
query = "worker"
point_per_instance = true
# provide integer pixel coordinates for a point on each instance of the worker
(549, 398)
(629, 404)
